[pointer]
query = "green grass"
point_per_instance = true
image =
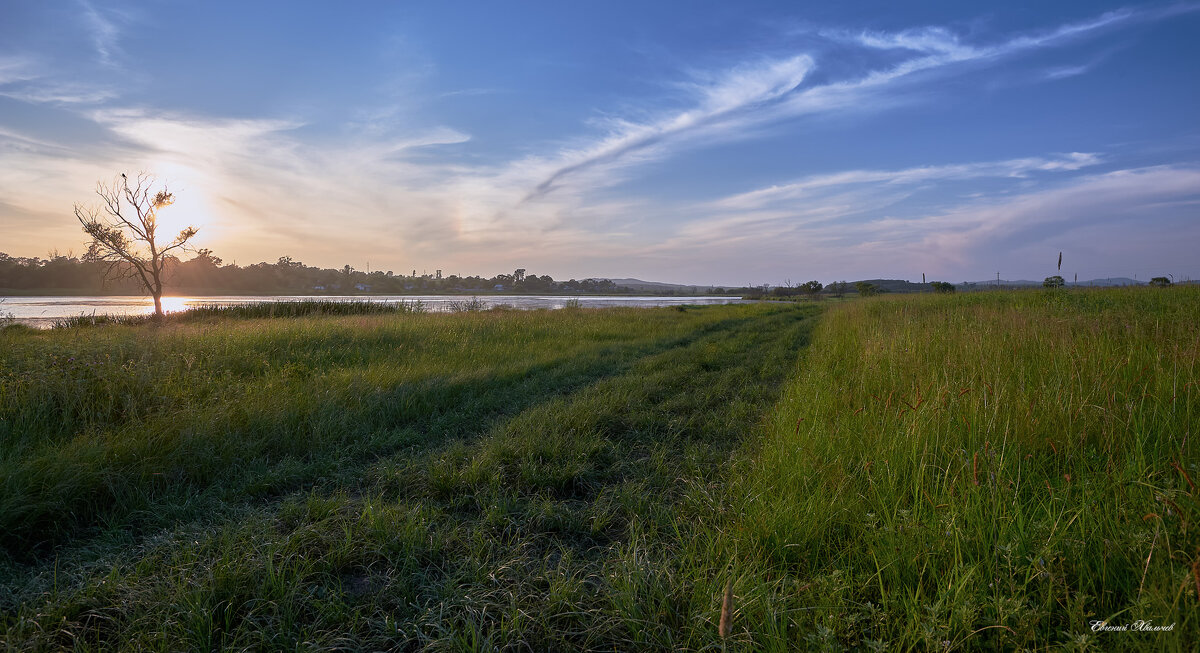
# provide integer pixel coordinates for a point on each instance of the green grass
(370, 481)
(988, 471)
(980, 472)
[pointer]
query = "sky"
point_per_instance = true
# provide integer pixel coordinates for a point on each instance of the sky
(722, 142)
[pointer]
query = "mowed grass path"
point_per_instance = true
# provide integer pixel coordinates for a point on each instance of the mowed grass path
(509, 479)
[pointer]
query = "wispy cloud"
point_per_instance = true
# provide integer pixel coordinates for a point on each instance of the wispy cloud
(104, 33)
(13, 139)
(926, 40)
(23, 78)
(943, 43)
(66, 93)
(844, 201)
(1066, 71)
(938, 51)
(804, 188)
(15, 69)
(864, 233)
(736, 103)
(721, 101)
(262, 179)
(30, 78)
(1119, 202)
(191, 136)
(469, 92)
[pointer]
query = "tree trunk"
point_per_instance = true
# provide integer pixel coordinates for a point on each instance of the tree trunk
(158, 312)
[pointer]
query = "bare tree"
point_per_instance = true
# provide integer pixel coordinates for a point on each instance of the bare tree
(125, 232)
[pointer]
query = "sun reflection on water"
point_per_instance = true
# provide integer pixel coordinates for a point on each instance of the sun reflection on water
(173, 304)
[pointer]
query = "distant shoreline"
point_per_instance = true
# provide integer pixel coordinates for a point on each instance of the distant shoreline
(78, 292)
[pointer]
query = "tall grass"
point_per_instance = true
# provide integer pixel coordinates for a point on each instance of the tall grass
(7, 318)
(253, 310)
(992, 471)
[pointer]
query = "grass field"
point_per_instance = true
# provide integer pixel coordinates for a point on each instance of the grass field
(372, 481)
(988, 471)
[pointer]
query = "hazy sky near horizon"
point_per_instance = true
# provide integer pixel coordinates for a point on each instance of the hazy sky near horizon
(701, 142)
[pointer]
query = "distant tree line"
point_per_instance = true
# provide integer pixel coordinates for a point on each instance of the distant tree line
(788, 289)
(206, 273)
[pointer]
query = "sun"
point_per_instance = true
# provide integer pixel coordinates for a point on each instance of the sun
(190, 209)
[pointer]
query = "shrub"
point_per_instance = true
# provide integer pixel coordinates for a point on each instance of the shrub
(1055, 281)
(466, 305)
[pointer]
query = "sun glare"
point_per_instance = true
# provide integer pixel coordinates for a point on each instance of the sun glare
(173, 304)
(189, 209)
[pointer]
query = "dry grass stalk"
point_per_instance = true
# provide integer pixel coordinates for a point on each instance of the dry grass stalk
(1186, 477)
(726, 624)
(1178, 512)
(1148, 556)
(1196, 576)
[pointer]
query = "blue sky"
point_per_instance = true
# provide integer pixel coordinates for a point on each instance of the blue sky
(701, 142)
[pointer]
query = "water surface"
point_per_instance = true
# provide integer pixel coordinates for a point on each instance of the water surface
(41, 312)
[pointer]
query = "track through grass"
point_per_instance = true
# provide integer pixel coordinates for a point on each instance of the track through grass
(995, 471)
(373, 482)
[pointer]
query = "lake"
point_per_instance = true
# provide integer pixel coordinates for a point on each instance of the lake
(41, 312)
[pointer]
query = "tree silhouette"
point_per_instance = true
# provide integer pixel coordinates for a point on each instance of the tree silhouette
(866, 288)
(124, 233)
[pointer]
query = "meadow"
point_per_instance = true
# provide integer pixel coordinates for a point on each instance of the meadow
(990, 471)
(977, 472)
